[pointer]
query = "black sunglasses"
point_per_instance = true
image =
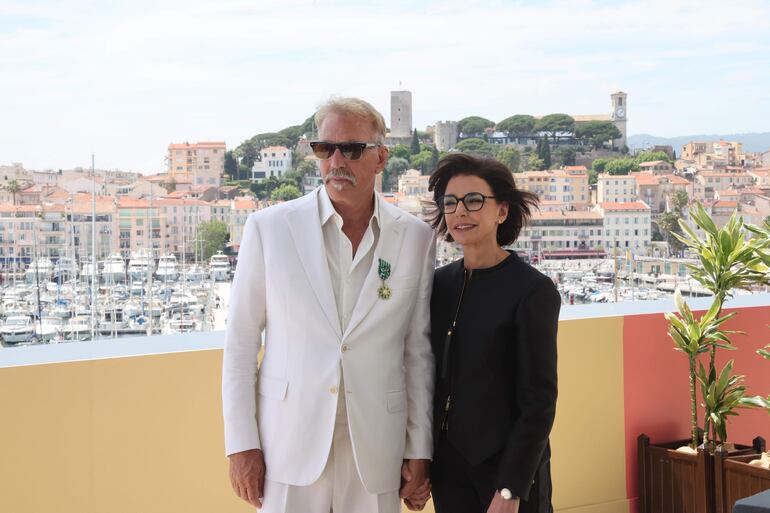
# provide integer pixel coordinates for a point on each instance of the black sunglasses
(473, 202)
(350, 150)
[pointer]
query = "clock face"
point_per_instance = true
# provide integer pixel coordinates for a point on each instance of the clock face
(620, 112)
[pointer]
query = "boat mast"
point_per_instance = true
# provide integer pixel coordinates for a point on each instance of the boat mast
(93, 250)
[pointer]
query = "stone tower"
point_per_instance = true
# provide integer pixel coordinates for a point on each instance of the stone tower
(400, 113)
(445, 135)
(619, 117)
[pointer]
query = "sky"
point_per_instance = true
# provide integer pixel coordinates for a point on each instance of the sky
(122, 80)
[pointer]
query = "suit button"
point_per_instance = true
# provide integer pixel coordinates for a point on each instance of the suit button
(333, 390)
(345, 348)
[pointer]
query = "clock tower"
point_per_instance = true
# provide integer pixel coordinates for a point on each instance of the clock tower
(619, 116)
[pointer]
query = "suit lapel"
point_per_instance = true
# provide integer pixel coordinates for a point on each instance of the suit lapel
(388, 249)
(305, 227)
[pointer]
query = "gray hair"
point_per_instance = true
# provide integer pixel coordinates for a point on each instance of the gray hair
(353, 107)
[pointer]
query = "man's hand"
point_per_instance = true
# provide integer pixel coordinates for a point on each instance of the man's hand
(413, 475)
(247, 475)
(500, 505)
(417, 501)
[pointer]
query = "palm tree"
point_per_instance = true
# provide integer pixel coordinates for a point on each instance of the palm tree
(13, 187)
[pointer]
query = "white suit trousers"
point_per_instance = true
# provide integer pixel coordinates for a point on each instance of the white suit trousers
(339, 488)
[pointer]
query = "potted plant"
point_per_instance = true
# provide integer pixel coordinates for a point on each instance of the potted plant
(737, 477)
(679, 475)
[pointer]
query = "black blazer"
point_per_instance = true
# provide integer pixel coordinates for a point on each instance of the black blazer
(501, 372)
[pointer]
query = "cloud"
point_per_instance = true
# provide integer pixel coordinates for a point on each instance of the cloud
(125, 80)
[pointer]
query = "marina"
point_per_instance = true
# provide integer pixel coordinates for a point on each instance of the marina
(51, 302)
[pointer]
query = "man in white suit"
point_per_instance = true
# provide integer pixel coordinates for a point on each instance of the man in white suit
(338, 415)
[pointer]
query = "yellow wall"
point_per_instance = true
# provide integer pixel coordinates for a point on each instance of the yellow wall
(144, 434)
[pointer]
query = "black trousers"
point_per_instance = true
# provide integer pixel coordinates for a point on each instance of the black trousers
(459, 487)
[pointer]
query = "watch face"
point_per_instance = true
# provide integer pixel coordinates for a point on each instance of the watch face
(620, 112)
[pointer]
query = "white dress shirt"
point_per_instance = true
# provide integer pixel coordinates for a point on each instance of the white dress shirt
(348, 272)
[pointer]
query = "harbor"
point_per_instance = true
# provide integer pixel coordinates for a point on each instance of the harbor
(59, 302)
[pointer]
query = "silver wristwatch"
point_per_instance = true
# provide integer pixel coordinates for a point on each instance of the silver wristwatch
(506, 494)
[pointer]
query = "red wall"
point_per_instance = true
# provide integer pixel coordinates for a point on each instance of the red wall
(656, 385)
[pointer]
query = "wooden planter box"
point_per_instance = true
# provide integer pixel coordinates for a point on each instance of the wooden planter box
(735, 479)
(676, 482)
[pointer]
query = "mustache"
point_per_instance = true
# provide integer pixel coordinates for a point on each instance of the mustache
(340, 172)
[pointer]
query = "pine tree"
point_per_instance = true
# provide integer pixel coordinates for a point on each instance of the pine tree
(415, 148)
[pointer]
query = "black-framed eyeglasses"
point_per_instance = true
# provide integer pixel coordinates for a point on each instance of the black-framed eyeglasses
(350, 150)
(473, 202)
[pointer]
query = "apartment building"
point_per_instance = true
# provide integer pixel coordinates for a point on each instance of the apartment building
(182, 217)
(142, 224)
(566, 231)
(275, 161)
(657, 167)
(626, 225)
(202, 163)
(413, 183)
(658, 190)
(616, 189)
(569, 186)
(714, 181)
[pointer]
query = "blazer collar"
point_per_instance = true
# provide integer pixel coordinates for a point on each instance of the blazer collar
(388, 249)
(305, 226)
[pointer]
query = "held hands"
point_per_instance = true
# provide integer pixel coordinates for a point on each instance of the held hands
(247, 475)
(500, 505)
(415, 485)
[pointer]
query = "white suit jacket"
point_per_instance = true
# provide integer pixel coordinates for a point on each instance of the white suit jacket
(287, 406)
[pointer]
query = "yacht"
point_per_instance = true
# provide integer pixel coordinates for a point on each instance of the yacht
(141, 265)
(79, 328)
(196, 273)
(65, 270)
(39, 271)
(48, 328)
(114, 269)
(181, 322)
(219, 266)
(18, 328)
(112, 320)
(167, 268)
(87, 271)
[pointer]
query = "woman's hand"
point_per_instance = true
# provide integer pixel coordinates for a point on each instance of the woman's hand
(500, 505)
(418, 499)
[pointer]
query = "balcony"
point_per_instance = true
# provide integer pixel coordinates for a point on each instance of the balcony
(134, 425)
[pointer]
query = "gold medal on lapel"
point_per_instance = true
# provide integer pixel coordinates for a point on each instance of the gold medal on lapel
(383, 271)
(384, 292)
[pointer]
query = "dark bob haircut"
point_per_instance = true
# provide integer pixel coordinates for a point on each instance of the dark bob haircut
(500, 180)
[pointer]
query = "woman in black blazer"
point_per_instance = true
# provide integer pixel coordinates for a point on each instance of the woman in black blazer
(494, 321)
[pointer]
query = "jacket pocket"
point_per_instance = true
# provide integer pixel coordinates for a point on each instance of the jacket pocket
(396, 401)
(274, 388)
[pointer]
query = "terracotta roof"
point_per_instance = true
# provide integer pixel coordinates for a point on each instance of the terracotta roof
(20, 208)
(575, 168)
(725, 204)
(244, 204)
(631, 205)
(723, 175)
(567, 214)
(188, 146)
(653, 163)
(166, 201)
(645, 178)
(275, 148)
(124, 202)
